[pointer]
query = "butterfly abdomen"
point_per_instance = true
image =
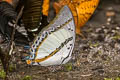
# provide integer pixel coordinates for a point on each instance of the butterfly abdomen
(32, 14)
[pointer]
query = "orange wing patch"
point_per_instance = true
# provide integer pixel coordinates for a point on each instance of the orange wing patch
(85, 9)
(45, 7)
(9, 1)
(81, 9)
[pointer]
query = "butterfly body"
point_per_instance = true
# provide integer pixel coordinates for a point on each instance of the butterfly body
(32, 14)
(55, 43)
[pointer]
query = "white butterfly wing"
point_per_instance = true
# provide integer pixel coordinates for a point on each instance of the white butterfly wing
(55, 43)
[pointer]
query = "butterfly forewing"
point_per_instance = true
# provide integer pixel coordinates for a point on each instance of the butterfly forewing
(55, 43)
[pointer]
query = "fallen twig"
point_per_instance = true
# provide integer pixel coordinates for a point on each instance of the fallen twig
(13, 33)
(86, 75)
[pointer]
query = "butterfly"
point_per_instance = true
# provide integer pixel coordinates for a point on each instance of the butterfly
(54, 43)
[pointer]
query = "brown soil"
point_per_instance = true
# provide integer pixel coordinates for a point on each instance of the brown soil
(94, 58)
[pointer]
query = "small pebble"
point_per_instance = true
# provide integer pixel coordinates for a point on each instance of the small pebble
(110, 13)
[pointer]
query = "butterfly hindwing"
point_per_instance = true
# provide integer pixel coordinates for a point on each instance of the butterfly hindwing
(55, 43)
